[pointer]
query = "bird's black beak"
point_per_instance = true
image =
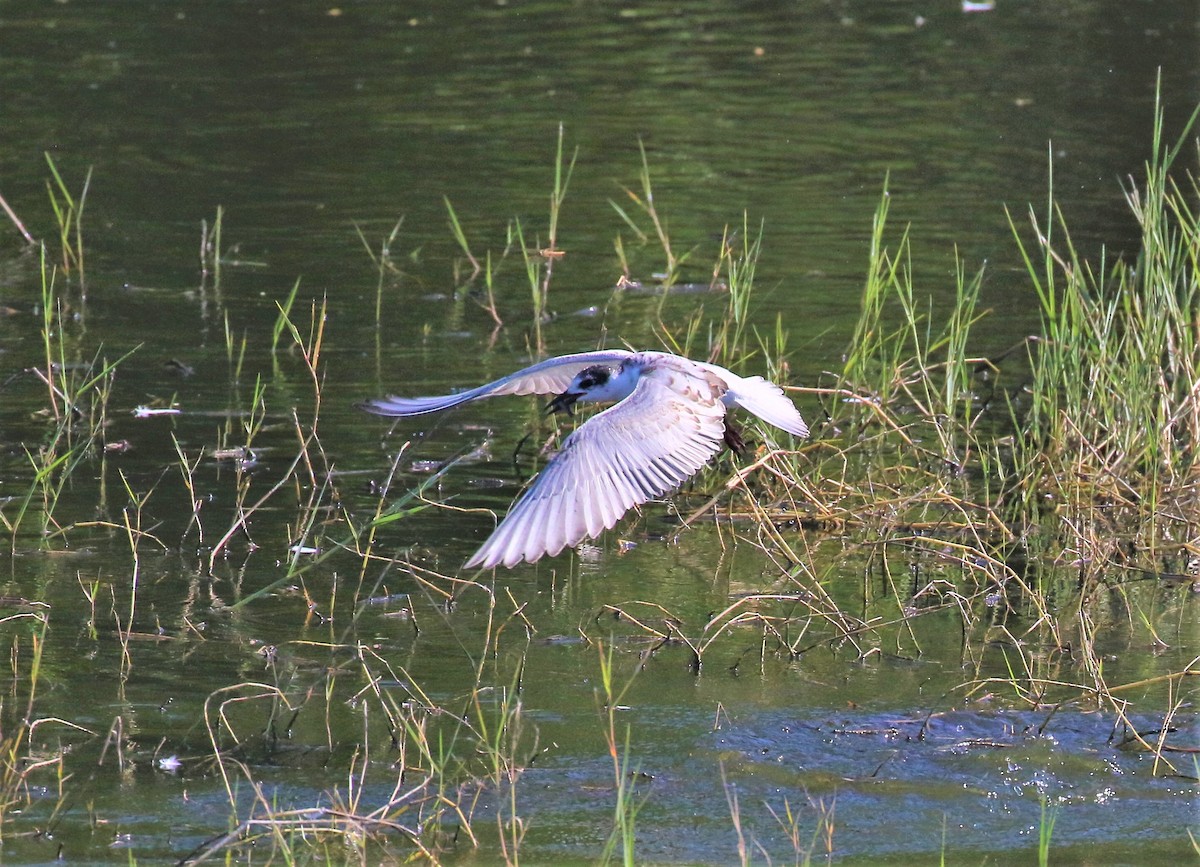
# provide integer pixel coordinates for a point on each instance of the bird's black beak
(564, 402)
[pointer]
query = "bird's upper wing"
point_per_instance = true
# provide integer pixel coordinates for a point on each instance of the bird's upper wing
(551, 376)
(644, 446)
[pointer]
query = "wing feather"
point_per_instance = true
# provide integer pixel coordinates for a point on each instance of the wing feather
(551, 376)
(646, 445)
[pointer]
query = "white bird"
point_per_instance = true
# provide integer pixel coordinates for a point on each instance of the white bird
(667, 423)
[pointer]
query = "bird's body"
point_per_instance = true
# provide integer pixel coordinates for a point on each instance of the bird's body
(667, 422)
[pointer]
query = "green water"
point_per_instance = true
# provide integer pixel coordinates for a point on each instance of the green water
(302, 125)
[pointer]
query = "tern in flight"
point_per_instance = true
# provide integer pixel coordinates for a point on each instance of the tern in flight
(667, 422)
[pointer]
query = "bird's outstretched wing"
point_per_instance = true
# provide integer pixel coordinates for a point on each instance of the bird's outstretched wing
(644, 446)
(546, 377)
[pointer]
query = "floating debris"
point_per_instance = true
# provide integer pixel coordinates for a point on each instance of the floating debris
(388, 600)
(179, 367)
(151, 411)
(242, 456)
(637, 287)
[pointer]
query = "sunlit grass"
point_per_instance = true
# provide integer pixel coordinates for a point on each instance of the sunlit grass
(1076, 461)
(643, 202)
(627, 800)
(1009, 496)
(210, 248)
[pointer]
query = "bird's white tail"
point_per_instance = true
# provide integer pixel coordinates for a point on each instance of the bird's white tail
(767, 401)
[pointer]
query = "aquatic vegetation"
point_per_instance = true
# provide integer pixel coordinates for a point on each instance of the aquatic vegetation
(77, 397)
(986, 525)
(627, 800)
(538, 255)
(210, 248)
(644, 202)
(1054, 481)
(68, 216)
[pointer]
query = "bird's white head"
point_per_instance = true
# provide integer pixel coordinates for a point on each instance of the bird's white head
(600, 383)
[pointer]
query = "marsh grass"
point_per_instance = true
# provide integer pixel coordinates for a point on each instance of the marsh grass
(726, 340)
(1014, 498)
(68, 215)
(1078, 462)
(386, 270)
(643, 202)
(16, 221)
(18, 715)
(1027, 495)
(210, 249)
(77, 397)
(539, 257)
(441, 753)
(807, 846)
(627, 800)
(538, 254)
(1045, 832)
(1113, 417)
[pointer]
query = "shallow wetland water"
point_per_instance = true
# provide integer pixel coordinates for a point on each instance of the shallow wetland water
(225, 639)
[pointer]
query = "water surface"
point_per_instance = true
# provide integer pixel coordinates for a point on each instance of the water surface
(308, 123)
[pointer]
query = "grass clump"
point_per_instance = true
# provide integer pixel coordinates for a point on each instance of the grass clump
(77, 397)
(1059, 479)
(538, 255)
(68, 216)
(1114, 411)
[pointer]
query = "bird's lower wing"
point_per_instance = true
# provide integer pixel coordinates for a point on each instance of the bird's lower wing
(551, 376)
(648, 444)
